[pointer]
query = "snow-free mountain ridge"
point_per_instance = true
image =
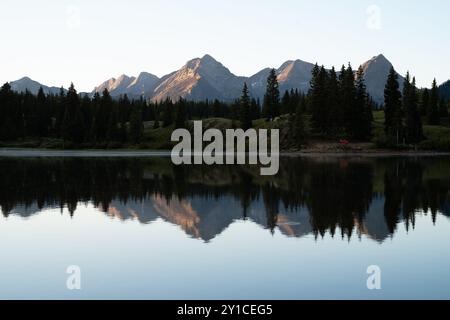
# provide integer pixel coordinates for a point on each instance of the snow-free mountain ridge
(206, 78)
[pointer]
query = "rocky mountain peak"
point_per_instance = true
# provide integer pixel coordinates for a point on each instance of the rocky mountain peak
(206, 78)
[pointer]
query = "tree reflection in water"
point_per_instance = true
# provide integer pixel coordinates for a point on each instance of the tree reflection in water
(347, 196)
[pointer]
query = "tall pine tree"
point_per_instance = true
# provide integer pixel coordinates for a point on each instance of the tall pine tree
(136, 129)
(414, 130)
(318, 99)
(348, 103)
(8, 121)
(43, 114)
(433, 109)
(334, 122)
(72, 128)
(167, 112)
(425, 102)
(362, 126)
(285, 102)
(393, 107)
(271, 105)
(245, 113)
(180, 114)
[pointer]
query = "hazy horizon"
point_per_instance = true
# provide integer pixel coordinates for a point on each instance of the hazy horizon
(87, 43)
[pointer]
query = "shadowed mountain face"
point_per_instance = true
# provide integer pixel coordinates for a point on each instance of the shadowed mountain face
(376, 72)
(32, 86)
(444, 90)
(205, 78)
(344, 197)
(291, 75)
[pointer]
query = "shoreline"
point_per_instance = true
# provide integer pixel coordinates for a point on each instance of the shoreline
(96, 153)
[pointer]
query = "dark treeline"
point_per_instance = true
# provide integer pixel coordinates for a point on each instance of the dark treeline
(339, 103)
(337, 193)
(101, 119)
(336, 106)
(406, 111)
(339, 106)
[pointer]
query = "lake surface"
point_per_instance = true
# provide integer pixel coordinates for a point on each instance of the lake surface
(142, 228)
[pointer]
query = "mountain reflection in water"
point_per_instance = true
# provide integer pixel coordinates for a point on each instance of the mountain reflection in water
(346, 197)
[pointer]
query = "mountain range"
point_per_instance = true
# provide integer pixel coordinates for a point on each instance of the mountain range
(204, 219)
(26, 83)
(206, 78)
(132, 86)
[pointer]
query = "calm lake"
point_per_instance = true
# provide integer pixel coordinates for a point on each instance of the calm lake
(142, 228)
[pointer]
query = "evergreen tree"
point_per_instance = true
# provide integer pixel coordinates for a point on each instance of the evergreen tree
(43, 114)
(392, 107)
(348, 102)
(294, 101)
(205, 109)
(167, 113)
(60, 111)
(255, 109)
(113, 132)
(87, 114)
(136, 129)
(217, 109)
(318, 98)
(101, 121)
(362, 117)
(298, 127)
(414, 131)
(303, 103)
(72, 127)
(271, 105)
(334, 121)
(8, 130)
(433, 110)
(156, 123)
(180, 115)
(95, 104)
(443, 108)
(124, 111)
(245, 115)
(425, 102)
(285, 102)
(30, 114)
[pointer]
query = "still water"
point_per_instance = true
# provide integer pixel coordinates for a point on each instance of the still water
(141, 228)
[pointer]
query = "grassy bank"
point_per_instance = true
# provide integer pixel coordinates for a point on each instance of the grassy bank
(438, 138)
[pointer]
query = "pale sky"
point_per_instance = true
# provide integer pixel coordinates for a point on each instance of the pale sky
(86, 42)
